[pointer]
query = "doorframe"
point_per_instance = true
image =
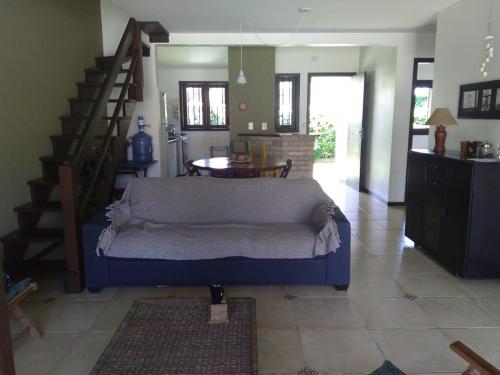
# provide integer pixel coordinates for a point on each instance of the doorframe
(309, 76)
(414, 84)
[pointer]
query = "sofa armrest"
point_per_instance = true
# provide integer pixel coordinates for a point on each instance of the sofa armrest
(338, 264)
(96, 275)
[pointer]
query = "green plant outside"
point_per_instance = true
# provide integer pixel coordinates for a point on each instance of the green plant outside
(325, 133)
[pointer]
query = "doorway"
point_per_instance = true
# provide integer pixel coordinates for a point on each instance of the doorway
(335, 116)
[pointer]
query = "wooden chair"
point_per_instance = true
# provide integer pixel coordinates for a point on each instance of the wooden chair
(13, 306)
(191, 169)
(239, 147)
(477, 364)
(257, 150)
(219, 151)
(286, 169)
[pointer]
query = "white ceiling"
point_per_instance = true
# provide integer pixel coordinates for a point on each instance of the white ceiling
(182, 57)
(182, 16)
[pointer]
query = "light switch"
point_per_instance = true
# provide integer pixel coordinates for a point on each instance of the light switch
(264, 126)
(250, 126)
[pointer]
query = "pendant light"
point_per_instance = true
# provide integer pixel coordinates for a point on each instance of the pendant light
(489, 40)
(241, 77)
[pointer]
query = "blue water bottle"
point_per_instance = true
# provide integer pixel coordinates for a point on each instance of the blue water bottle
(142, 144)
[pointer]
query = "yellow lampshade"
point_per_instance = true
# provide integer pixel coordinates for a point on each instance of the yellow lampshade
(441, 116)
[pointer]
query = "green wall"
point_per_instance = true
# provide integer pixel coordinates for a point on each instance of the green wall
(45, 47)
(258, 93)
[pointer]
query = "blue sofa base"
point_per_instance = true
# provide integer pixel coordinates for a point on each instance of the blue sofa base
(101, 271)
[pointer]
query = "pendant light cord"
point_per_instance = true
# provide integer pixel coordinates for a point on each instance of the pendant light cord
(241, 44)
(252, 28)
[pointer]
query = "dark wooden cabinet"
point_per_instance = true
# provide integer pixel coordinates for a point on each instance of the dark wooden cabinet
(453, 211)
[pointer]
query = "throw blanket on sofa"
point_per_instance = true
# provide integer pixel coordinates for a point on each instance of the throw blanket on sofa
(209, 218)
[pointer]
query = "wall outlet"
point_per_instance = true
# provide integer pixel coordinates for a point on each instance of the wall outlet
(250, 126)
(264, 126)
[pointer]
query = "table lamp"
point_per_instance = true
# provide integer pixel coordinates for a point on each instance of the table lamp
(440, 117)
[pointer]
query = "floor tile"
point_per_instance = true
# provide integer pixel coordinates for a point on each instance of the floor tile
(479, 288)
(421, 350)
(105, 293)
(429, 285)
(380, 235)
(358, 250)
(390, 313)
(374, 286)
(82, 355)
(142, 292)
(69, 315)
(318, 313)
(456, 312)
(112, 315)
(279, 351)
(275, 313)
(387, 247)
(491, 305)
(41, 356)
(408, 263)
(314, 291)
(340, 350)
(484, 341)
(264, 291)
(367, 266)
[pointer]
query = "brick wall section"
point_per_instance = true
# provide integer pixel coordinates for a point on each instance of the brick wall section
(298, 147)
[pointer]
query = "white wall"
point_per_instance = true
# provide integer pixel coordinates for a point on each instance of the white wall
(199, 142)
(114, 21)
(416, 45)
(306, 60)
(459, 42)
(379, 64)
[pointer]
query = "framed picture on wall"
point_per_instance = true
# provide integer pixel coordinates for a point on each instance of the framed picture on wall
(479, 100)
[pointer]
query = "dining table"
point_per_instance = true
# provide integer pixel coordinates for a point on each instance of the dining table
(225, 167)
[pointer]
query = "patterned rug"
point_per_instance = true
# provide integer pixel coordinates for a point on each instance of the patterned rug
(173, 336)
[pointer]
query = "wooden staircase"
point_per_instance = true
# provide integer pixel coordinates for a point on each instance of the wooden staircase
(78, 178)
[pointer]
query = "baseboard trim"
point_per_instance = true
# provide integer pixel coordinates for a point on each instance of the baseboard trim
(379, 198)
(396, 204)
(374, 195)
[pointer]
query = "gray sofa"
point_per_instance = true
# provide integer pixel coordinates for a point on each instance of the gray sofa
(201, 230)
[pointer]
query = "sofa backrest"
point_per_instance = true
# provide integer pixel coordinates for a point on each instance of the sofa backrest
(220, 200)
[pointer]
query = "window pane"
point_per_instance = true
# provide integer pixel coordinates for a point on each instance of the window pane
(194, 106)
(422, 110)
(217, 100)
(285, 103)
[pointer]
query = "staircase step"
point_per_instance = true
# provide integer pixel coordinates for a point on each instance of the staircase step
(50, 206)
(41, 188)
(72, 125)
(104, 62)
(35, 235)
(93, 100)
(83, 106)
(91, 90)
(98, 84)
(50, 165)
(42, 181)
(98, 75)
(64, 144)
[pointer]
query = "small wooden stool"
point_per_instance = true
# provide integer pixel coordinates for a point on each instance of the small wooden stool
(477, 364)
(13, 305)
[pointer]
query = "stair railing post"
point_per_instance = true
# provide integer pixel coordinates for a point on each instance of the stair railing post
(137, 91)
(6, 356)
(73, 282)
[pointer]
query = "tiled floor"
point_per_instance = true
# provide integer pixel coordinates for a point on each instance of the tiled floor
(401, 306)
